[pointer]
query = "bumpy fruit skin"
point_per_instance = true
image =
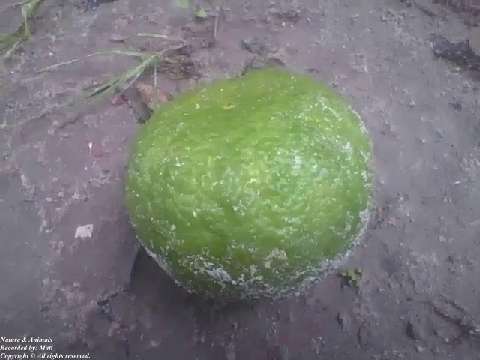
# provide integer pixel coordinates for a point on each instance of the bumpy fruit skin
(247, 187)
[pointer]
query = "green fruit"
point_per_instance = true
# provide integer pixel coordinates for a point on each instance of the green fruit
(248, 187)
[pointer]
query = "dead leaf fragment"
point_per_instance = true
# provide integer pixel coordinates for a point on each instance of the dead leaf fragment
(151, 96)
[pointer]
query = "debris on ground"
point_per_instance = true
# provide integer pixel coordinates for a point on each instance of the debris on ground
(201, 14)
(152, 96)
(126, 79)
(351, 277)
(456, 315)
(94, 4)
(133, 99)
(118, 38)
(292, 15)
(177, 63)
(256, 45)
(343, 321)
(459, 53)
(412, 330)
(257, 62)
(10, 42)
(461, 5)
(84, 231)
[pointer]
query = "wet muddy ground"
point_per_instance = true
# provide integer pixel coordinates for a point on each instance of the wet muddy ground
(62, 167)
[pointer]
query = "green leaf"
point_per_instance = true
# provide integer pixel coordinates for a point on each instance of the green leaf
(126, 79)
(201, 13)
(28, 10)
(8, 42)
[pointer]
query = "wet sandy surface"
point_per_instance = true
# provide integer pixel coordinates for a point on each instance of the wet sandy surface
(62, 167)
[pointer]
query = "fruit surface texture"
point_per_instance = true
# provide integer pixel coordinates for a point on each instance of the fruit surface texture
(250, 186)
